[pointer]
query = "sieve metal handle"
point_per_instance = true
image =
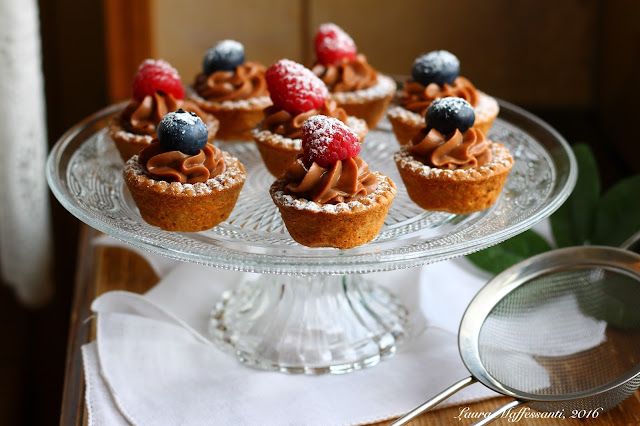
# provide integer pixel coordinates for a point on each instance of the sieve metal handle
(434, 401)
(631, 240)
(495, 414)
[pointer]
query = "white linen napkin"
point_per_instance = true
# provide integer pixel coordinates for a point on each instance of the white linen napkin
(153, 365)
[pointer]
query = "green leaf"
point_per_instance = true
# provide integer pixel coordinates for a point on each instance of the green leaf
(561, 227)
(499, 257)
(584, 202)
(572, 223)
(618, 213)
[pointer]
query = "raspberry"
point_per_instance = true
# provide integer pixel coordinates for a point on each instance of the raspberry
(327, 140)
(332, 44)
(294, 88)
(157, 76)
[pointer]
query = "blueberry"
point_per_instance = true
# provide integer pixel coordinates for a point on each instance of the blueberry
(182, 131)
(224, 56)
(438, 67)
(448, 114)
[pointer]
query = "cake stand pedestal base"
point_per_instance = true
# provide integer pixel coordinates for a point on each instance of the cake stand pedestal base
(309, 324)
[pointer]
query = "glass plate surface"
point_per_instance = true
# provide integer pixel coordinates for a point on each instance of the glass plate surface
(84, 172)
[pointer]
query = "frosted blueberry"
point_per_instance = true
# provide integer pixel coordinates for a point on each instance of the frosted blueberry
(448, 114)
(438, 67)
(224, 56)
(182, 131)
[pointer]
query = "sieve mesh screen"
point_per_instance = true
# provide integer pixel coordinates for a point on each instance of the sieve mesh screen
(564, 332)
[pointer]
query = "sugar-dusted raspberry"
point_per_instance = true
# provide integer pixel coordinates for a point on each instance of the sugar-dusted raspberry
(332, 44)
(294, 88)
(157, 76)
(327, 140)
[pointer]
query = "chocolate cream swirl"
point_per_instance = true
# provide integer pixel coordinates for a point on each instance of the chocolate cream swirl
(175, 166)
(417, 98)
(247, 81)
(453, 151)
(142, 118)
(344, 181)
(285, 124)
(347, 76)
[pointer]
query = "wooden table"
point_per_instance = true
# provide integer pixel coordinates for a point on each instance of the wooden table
(102, 269)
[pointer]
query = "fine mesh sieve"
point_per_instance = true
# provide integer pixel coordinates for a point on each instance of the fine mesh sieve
(558, 331)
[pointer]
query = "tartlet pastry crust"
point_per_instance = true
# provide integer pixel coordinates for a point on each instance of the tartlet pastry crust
(342, 225)
(458, 191)
(173, 206)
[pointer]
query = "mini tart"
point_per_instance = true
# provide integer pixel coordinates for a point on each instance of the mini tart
(458, 191)
(237, 118)
(407, 124)
(174, 206)
(342, 225)
(369, 104)
(278, 152)
(130, 144)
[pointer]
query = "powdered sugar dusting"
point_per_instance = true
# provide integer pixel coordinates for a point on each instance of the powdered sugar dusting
(155, 75)
(267, 137)
(341, 41)
(168, 70)
(501, 159)
(437, 61)
(231, 177)
(117, 132)
(305, 83)
(386, 190)
(299, 79)
(358, 125)
(385, 86)
(259, 102)
(486, 107)
(294, 87)
(327, 139)
(449, 106)
(181, 118)
(226, 47)
(405, 115)
(132, 137)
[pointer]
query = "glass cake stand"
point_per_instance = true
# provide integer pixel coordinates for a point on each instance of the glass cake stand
(312, 310)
